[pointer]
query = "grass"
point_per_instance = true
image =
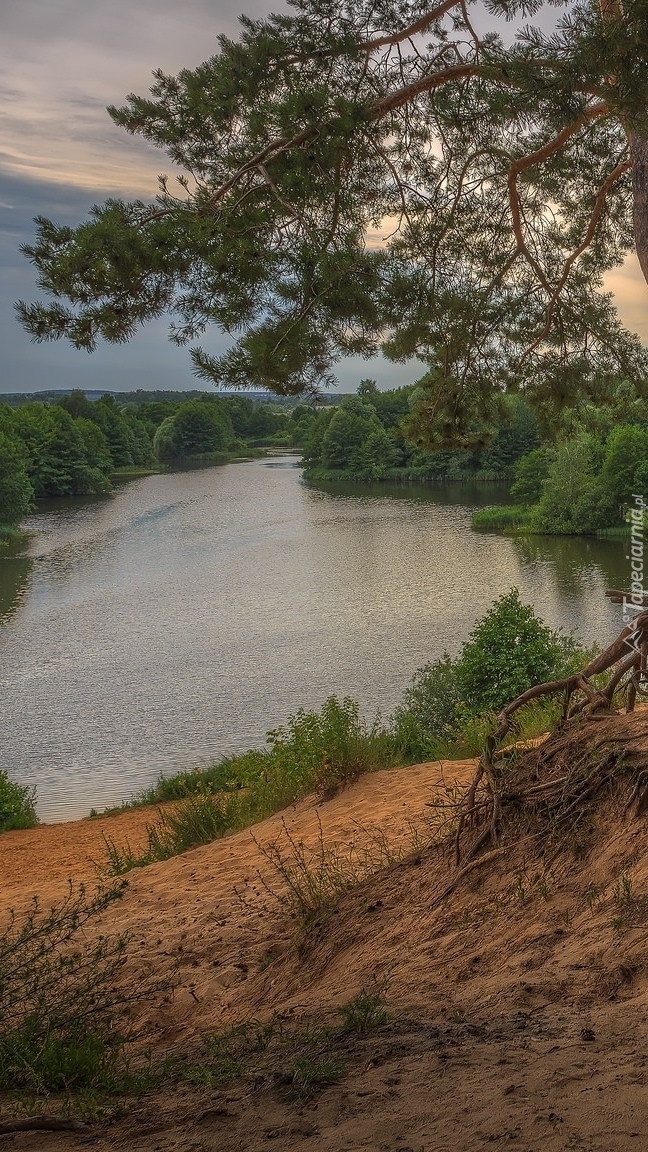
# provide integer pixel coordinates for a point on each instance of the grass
(301, 1056)
(17, 805)
(64, 1001)
(498, 517)
(316, 751)
(312, 880)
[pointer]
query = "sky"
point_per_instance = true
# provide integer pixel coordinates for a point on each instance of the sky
(64, 61)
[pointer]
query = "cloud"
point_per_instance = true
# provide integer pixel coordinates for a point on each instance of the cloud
(64, 63)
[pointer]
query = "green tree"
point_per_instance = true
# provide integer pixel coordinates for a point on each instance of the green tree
(513, 171)
(77, 404)
(16, 489)
(199, 428)
(574, 498)
(61, 462)
(626, 449)
(517, 436)
(530, 473)
(355, 441)
(509, 650)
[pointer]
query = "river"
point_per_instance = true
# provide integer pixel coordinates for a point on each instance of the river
(183, 617)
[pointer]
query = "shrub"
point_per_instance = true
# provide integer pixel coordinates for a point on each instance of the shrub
(328, 748)
(430, 710)
(63, 1000)
(509, 650)
(17, 805)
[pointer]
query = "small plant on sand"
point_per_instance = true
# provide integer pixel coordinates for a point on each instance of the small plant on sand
(64, 1000)
(629, 907)
(199, 819)
(17, 805)
(364, 1012)
(309, 1076)
(314, 879)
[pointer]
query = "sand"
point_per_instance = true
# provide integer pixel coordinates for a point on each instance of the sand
(519, 1009)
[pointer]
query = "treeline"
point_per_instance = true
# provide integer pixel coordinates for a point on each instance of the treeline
(74, 446)
(584, 482)
(365, 437)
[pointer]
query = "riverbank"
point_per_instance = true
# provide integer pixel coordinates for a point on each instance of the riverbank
(520, 998)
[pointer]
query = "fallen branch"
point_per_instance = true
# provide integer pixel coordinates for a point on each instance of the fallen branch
(41, 1124)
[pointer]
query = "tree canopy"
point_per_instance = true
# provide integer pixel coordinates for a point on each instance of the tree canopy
(509, 171)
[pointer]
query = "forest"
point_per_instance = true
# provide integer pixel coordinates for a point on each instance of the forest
(573, 476)
(74, 447)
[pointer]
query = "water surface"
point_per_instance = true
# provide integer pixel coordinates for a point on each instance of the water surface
(182, 618)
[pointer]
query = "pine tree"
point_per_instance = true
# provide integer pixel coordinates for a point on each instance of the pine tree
(509, 173)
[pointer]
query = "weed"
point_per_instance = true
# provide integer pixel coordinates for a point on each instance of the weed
(593, 897)
(543, 888)
(17, 805)
(365, 1011)
(630, 907)
(519, 889)
(199, 819)
(314, 879)
(63, 1003)
(308, 1077)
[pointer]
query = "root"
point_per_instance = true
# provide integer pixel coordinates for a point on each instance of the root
(565, 797)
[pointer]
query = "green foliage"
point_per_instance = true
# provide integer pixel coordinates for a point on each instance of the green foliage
(359, 121)
(199, 819)
(198, 428)
(63, 1000)
(364, 1012)
(309, 1076)
(326, 749)
(315, 750)
(626, 453)
(509, 650)
(16, 489)
(17, 805)
(574, 497)
(500, 517)
(430, 711)
(355, 441)
(63, 458)
(530, 472)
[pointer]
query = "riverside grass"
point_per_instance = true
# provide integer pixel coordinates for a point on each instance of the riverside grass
(447, 713)
(241, 790)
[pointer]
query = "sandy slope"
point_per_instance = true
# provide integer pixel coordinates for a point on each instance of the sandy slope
(519, 1008)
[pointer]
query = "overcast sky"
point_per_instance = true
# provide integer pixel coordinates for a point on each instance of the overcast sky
(63, 62)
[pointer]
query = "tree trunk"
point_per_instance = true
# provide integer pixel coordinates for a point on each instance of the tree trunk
(639, 153)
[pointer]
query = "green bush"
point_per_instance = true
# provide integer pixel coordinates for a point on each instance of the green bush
(315, 750)
(64, 1001)
(510, 650)
(430, 710)
(325, 749)
(17, 805)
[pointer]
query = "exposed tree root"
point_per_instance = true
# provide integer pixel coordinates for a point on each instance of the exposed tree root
(563, 776)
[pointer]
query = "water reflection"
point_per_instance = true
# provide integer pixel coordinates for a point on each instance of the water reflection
(14, 582)
(182, 618)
